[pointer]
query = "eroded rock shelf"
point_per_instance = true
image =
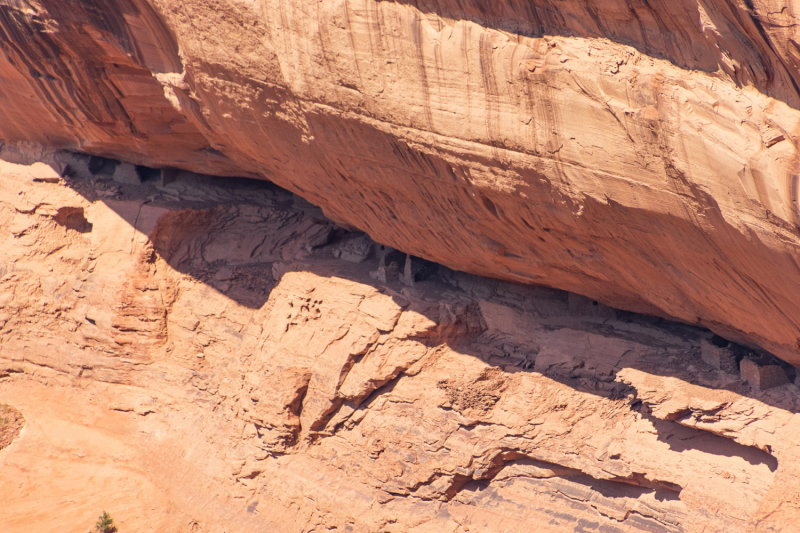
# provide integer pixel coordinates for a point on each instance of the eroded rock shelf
(215, 355)
(643, 155)
(400, 266)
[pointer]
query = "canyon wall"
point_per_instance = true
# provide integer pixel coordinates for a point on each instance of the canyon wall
(211, 356)
(640, 153)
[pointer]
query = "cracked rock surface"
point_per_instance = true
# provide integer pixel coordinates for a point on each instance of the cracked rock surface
(199, 356)
(641, 153)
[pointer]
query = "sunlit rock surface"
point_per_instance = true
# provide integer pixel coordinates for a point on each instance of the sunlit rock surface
(643, 154)
(193, 357)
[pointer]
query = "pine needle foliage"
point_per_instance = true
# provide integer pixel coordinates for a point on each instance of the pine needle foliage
(105, 524)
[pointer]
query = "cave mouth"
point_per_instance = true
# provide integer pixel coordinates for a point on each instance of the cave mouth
(94, 173)
(179, 183)
(719, 342)
(90, 174)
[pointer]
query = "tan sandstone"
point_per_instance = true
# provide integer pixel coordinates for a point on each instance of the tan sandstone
(642, 154)
(193, 357)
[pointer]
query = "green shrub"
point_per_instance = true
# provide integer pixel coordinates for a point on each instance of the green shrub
(105, 524)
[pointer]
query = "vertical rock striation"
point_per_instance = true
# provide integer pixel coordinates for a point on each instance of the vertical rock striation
(643, 154)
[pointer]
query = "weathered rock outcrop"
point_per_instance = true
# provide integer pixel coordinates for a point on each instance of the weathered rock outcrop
(215, 356)
(641, 153)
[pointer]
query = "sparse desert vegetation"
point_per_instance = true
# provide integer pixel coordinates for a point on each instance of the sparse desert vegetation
(105, 524)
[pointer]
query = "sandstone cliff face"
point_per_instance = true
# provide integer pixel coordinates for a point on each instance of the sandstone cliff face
(211, 356)
(644, 153)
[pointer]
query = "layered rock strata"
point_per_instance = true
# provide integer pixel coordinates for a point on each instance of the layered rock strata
(643, 154)
(215, 355)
